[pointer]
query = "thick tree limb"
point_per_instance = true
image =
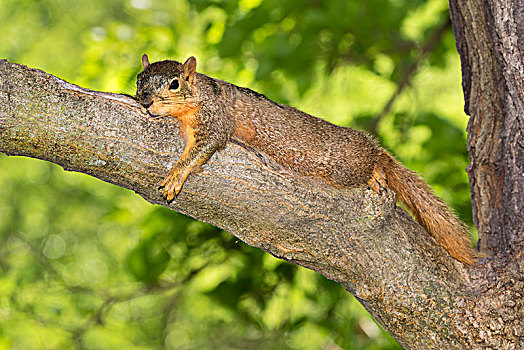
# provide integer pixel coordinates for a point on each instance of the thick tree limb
(361, 240)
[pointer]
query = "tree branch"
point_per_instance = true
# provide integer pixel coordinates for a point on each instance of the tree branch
(359, 239)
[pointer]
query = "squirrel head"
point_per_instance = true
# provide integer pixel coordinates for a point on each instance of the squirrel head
(166, 88)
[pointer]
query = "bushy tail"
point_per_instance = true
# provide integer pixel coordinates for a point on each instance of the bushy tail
(429, 210)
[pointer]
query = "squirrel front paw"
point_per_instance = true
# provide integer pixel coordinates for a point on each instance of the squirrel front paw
(172, 184)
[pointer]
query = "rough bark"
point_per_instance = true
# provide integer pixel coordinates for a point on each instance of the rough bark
(490, 41)
(419, 294)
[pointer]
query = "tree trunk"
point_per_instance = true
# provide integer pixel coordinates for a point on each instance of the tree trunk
(490, 41)
(418, 293)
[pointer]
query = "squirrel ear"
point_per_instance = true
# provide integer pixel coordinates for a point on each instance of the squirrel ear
(145, 61)
(189, 69)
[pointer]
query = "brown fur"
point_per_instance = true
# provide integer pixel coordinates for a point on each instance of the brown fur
(212, 112)
(429, 210)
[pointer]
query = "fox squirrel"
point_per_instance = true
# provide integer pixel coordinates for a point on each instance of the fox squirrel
(212, 112)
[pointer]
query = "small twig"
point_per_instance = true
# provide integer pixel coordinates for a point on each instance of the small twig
(98, 317)
(406, 78)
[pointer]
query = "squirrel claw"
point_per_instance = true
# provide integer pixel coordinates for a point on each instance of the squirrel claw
(378, 182)
(172, 186)
(169, 197)
(169, 193)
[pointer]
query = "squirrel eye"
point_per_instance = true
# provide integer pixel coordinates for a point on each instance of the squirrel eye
(174, 84)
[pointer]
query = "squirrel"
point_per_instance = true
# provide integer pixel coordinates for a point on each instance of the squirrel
(213, 112)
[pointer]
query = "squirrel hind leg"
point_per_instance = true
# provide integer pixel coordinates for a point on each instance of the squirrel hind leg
(378, 182)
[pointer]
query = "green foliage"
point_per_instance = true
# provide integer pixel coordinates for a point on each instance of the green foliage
(86, 264)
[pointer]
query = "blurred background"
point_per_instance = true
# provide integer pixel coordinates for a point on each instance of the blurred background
(85, 264)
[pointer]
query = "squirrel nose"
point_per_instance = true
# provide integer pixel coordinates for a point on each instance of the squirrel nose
(146, 105)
